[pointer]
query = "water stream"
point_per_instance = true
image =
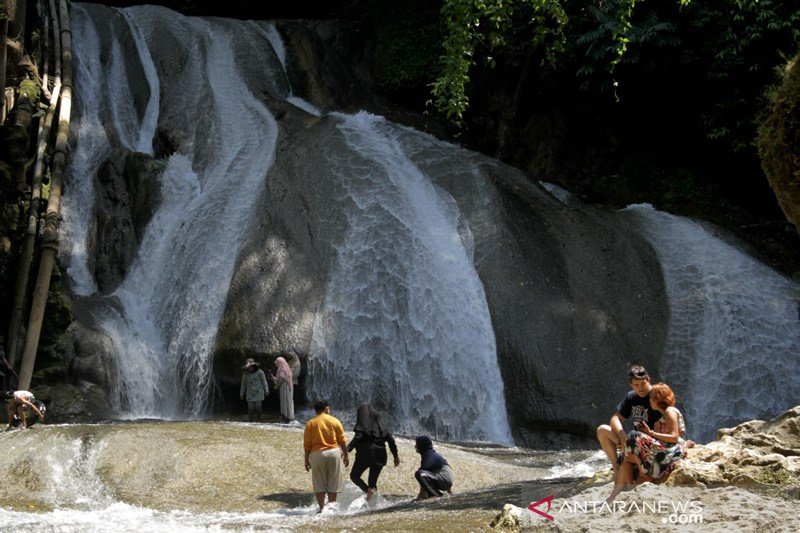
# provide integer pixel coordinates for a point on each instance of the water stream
(733, 348)
(405, 310)
(162, 319)
(218, 476)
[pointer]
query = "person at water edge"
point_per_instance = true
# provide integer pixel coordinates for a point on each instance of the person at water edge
(294, 364)
(5, 370)
(282, 381)
(651, 455)
(636, 405)
(369, 440)
(254, 388)
(434, 474)
(17, 405)
(324, 444)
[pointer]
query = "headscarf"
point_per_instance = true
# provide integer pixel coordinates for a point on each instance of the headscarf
(369, 422)
(284, 370)
(424, 443)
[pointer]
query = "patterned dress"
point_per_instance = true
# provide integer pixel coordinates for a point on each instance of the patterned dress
(658, 458)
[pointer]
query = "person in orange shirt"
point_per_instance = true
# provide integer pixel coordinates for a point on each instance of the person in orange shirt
(323, 435)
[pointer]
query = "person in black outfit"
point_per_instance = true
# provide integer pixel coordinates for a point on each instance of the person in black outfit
(434, 474)
(369, 442)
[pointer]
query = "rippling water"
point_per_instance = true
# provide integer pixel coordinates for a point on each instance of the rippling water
(220, 476)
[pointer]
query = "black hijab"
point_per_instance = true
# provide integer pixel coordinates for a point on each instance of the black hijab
(368, 422)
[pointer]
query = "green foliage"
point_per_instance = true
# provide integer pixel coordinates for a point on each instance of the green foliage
(778, 134)
(470, 22)
(741, 42)
(29, 89)
(609, 42)
(722, 52)
(407, 39)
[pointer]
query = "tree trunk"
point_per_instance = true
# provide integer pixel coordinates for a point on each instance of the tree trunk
(3, 33)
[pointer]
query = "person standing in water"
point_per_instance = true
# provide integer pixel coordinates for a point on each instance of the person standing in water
(253, 389)
(323, 442)
(283, 382)
(370, 441)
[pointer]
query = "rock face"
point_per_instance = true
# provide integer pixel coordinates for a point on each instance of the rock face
(559, 279)
(127, 195)
(573, 295)
(753, 453)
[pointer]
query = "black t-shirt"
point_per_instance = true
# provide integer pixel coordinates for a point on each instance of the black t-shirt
(638, 408)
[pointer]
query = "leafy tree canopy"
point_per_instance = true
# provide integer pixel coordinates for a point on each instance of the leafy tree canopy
(726, 39)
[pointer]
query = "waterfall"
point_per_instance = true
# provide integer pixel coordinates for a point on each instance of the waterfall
(405, 324)
(90, 148)
(270, 33)
(163, 318)
(733, 348)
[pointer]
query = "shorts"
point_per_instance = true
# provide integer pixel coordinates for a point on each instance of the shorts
(326, 470)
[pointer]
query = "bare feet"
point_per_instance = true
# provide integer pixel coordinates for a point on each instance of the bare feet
(370, 493)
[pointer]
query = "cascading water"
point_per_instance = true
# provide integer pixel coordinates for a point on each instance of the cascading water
(271, 34)
(162, 319)
(733, 349)
(94, 139)
(405, 323)
(90, 148)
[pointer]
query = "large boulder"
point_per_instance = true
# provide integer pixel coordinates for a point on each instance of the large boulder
(757, 452)
(559, 277)
(778, 141)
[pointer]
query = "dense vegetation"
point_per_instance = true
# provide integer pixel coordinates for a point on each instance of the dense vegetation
(621, 100)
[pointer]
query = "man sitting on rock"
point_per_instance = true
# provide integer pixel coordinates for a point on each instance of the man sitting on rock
(636, 405)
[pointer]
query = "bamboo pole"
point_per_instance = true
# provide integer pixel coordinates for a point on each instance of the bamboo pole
(18, 307)
(50, 239)
(3, 59)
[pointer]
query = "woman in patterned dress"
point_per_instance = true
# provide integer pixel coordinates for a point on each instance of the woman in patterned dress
(651, 455)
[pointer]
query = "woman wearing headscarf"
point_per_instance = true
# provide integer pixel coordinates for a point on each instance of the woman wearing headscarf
(369, 442)
(253, 389)
(434, 474)
(283, 383)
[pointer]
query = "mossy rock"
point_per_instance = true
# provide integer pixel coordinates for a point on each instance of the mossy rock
(29, 90)
(779, 143)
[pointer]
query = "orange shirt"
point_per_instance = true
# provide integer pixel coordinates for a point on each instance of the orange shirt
(323, 432)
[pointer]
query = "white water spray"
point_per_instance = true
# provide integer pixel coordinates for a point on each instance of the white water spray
(405, 323)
